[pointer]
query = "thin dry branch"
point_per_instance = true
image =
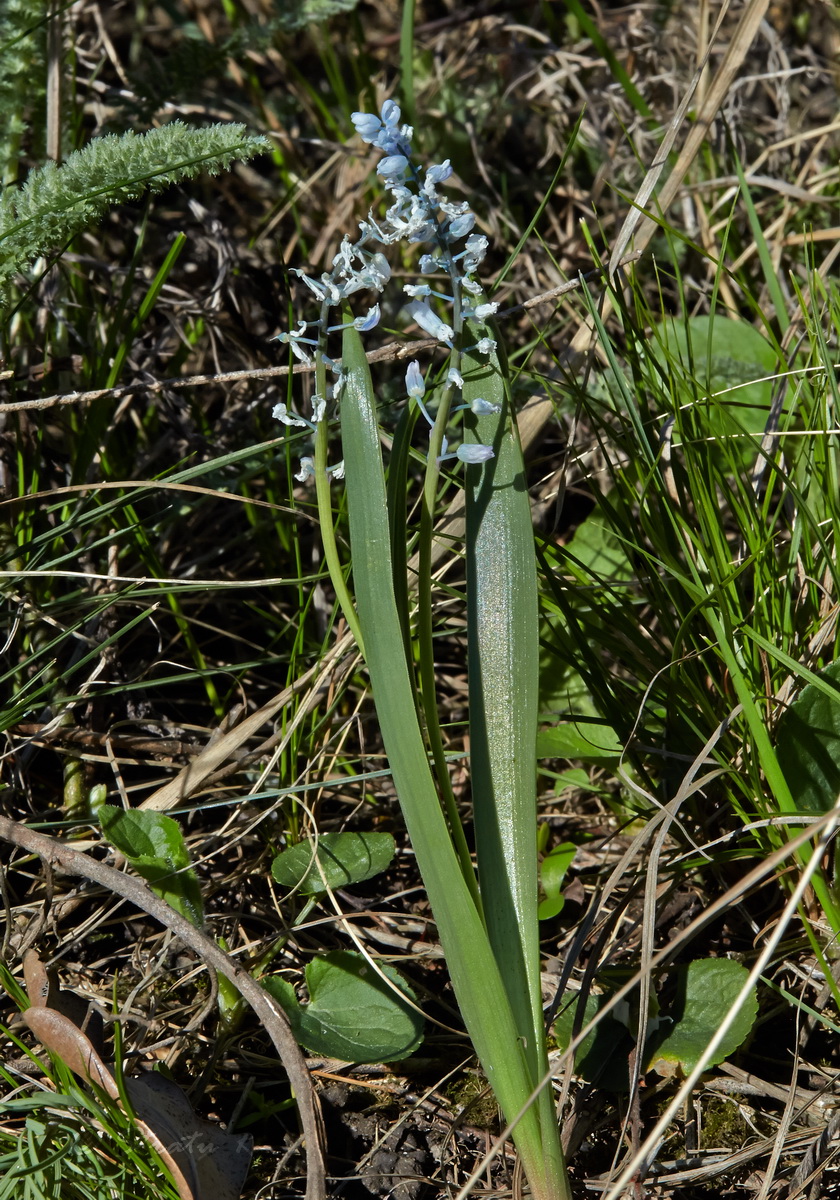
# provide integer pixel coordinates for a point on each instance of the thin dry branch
(276, 1024)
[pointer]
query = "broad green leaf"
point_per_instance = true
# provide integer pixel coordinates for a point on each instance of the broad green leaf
(503, 660)
(602, 1057)
(475, 974)
(596, 547)
(154, 846)
(589, 741)
(141, 833)
(504, 680)
(553, 870)
(808, 745)
(292, 15)
(732, 364)
(352, 1013)
(706, 990)
(343, 858)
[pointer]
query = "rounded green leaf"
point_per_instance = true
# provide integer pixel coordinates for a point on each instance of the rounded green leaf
(734, 366)
(706, 990)
(139, 833)
(352, 1014)
(155, 848)
(602, 1057)
(339, 860)
(589, 741)
(552, 875)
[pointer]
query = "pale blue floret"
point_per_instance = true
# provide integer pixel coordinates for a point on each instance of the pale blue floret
(393, 167)
(367, 126)
(363, 324)
(430, 322)
(480, 407)
(462, 225)
(307, 470)
(281, 413)
(437, 174)
(481, 312)
(415, 384)
(474, 453)
(454, 377)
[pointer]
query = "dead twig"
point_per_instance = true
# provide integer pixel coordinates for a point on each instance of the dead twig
(272, 1017)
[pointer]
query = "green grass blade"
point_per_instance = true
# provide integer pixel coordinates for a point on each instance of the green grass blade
(472, 967)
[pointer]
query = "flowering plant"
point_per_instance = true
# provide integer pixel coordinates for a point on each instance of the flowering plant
(487, 923)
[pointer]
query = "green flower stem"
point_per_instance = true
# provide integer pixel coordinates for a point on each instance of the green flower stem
(324, 496)
(428, 689)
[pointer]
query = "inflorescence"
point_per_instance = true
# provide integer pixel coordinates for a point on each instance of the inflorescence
(418, 214)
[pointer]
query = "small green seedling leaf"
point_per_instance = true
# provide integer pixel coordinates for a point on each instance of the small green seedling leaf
(808, 745)
(352, 1013)
(589, 741)
(706, 990)
(343, 858)
(155, 847)
(552, 874)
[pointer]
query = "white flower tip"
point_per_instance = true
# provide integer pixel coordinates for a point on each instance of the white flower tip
(415, 385)
(307, 470)
(474, 453)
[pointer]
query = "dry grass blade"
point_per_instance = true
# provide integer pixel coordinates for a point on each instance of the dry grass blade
(219, 750)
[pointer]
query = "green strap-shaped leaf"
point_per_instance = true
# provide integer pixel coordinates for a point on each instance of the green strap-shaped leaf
(473, 969)
(503, 641)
